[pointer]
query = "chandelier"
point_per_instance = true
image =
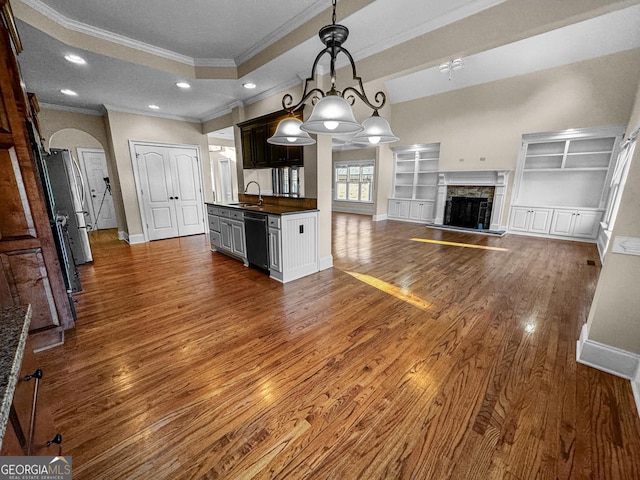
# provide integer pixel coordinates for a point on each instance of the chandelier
(332, 112)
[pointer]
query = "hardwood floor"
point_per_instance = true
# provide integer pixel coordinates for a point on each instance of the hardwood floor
(409, 359)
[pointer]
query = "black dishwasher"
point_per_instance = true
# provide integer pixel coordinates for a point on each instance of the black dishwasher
(255, 229)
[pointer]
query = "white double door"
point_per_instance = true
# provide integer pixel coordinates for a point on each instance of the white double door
(169, 190)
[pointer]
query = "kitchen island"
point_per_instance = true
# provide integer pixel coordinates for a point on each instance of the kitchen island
(278, 235)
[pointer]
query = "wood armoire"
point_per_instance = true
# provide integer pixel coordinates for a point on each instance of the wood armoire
(30, 271)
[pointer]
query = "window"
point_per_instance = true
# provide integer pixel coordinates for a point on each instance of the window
(354, 181)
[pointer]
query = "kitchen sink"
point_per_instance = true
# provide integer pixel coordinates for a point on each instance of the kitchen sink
(245, 204)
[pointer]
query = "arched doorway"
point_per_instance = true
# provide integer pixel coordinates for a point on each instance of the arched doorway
(90, 157)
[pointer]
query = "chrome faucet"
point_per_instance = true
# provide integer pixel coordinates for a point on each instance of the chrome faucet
(259, 194)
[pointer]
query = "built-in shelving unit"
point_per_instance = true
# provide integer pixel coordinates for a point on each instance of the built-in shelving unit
(562, 182)
(415, 182)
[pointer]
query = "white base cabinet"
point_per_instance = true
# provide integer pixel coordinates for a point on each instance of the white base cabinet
(398, 209)
(411, 210)
(293, 246)
(226, 231)
(559, 222)
(533, 220)
(575, 223)
(292, 240)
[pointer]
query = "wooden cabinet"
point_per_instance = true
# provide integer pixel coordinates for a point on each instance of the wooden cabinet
(258, 153)
(30, 271)
(415, 183)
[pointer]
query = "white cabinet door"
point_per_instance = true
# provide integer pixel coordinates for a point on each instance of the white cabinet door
(533, 220)
(225, 233)
(275, 246)
(519, 219)
(421, 211)
(563, 221)
(540, 220)
(576, 223)
(586, 224)
(398, 209)
(238, 245)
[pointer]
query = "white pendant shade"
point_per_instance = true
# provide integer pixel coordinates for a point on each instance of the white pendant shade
(332, 115)
(376, 130)
(288, 133)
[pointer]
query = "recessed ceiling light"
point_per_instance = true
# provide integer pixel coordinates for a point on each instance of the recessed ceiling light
(249, 85)
(183, 85)
(75, 59)
(71, 93)
(154, 107)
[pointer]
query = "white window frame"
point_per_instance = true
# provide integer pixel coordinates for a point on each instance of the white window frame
(353, 163)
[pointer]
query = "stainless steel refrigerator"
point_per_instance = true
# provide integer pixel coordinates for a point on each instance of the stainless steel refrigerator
(67, 185)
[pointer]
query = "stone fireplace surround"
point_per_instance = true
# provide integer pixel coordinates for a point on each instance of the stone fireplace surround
(473, 178)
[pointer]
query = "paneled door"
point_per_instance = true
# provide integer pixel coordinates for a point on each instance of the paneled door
(169, 190)
(99, 200)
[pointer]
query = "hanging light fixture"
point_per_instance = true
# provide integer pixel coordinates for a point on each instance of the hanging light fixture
(332, 112)
(450, 66)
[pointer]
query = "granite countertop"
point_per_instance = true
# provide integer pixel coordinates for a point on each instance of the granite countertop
(264, 208)
(14, 327)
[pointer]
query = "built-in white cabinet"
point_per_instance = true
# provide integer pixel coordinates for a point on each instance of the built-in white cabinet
(531, 220)
(562, 182)
(398, 209)
(421, 211)
(576, 223)
(415, 183)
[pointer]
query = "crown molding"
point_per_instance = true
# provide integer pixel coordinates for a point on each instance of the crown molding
(426, 27)
(102, 34)
(85, 111)
(300, 19)
(222, 111)
(144, 113)
(214, 62)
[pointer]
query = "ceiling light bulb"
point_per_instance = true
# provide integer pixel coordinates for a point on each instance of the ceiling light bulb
(249, 85)
(75, 59)
(331, 124)
(154, 107)
(71, 93)
(183, 85)
(374, 140)
(291, 139)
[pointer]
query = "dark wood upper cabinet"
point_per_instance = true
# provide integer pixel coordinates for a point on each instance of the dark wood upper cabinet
(258, 153)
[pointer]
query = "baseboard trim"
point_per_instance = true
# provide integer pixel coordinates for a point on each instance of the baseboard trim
(137, 238)
(123, 236)
(611, 360)
(379, 218)
(325, 262)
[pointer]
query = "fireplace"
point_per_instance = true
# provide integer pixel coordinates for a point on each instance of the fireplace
(475, 187)
(469, 206)
(470, 212)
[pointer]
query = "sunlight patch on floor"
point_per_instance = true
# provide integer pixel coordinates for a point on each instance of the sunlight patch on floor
(398, 292)
(455, 244)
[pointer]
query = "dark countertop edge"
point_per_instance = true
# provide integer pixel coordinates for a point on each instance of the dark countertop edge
(12, 350)
(277, 210)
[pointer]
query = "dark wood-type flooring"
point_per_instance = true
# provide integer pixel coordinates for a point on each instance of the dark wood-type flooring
(407, 360)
